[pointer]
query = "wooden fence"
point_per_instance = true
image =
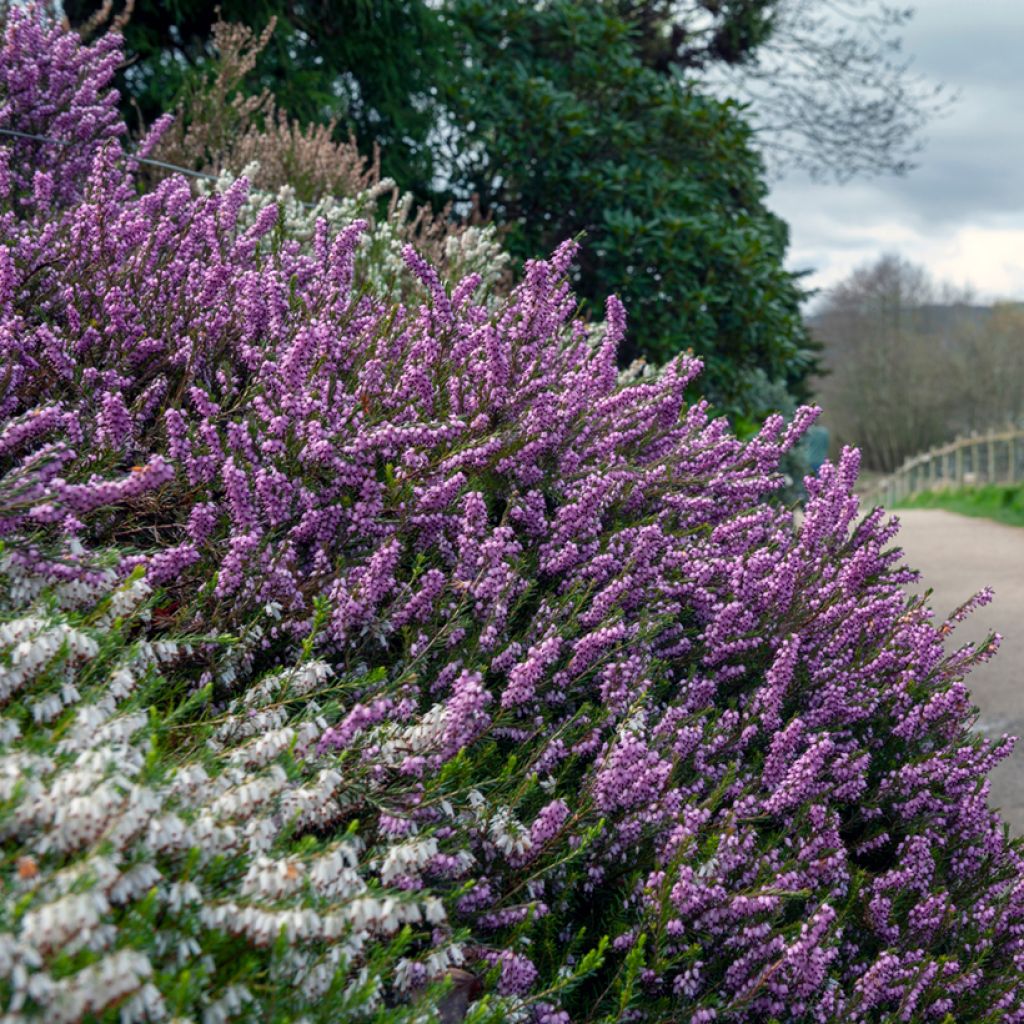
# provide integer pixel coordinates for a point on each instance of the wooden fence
(995, 457)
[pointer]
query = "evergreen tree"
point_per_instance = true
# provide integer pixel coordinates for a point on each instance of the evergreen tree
(559, 127)
(372, 64)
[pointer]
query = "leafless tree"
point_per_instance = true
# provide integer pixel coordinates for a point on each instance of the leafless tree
(894, 360)
(991, 374)
(831, 91)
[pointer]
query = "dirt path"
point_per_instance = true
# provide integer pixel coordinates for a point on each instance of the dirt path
(958, 556)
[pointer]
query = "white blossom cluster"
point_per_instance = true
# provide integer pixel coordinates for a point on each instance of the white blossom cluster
(469, 249)
(393, 741)
(502, 827)
(23, 587)
(143, 864)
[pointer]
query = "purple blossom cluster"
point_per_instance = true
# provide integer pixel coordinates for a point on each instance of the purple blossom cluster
(733, 730)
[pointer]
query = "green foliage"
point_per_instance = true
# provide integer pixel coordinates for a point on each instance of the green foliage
(565, 130)
(1002, 502)
(370, 63)
(694, 33)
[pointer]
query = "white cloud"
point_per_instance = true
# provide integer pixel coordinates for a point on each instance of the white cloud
(988, 259)
(961, 213)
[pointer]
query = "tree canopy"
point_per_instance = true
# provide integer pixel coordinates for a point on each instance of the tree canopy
(912, 362)
(561, 120)
(558, 126)
(369, 63)
(830, 91)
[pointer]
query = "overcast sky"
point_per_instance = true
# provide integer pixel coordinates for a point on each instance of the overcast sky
(961, 212)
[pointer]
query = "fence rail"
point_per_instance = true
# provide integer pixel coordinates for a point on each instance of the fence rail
(995, 457)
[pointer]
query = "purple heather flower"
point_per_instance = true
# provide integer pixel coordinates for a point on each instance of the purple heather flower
(722, 723)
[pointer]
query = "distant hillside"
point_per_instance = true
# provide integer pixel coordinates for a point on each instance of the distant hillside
(951, 325)
(934, 317)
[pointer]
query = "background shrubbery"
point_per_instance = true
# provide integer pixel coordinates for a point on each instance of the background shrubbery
(372, 651)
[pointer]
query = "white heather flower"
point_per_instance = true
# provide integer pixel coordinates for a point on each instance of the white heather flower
(243, 800)
(91, 728)
(147, 1004)
(359, 983)
(260, 833)
(31, 644)
(241, 726)
(80, 804)
(508, 834)
(125, 600)
(231, 1002)
(334, 876)
(364, 911)
(407, 858)
(316, 804)
(9, 731)
(214, 838)
(264, 749)
(188, 951)
(160, 651)
(180, 895)
(190, 783)
(404, 974)
(169, 833)
(443, 957)
(52, 925)
(309, 676)
(273, 879)
(47, 709)
(123, 682)
(316, 978)
(433, 910)
(135, 882)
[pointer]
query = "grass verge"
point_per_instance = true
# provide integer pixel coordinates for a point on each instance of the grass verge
(1002, 502)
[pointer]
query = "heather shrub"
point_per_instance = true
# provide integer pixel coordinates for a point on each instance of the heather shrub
(220, 130)
(155, 856)
(398, 660)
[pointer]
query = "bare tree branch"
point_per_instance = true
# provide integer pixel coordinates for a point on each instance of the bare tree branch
(831, 91)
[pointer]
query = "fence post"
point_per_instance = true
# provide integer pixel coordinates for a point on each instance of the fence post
(947, 465)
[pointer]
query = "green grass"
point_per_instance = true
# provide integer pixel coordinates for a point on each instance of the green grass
(1002, 502)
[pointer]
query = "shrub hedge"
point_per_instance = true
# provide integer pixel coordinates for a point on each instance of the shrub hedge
(398, 661)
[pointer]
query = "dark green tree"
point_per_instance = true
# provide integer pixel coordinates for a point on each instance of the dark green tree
(696, 33)
(560, 126)
(372, 64)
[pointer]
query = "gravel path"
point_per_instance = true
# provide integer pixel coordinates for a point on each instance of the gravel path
(958, 556)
